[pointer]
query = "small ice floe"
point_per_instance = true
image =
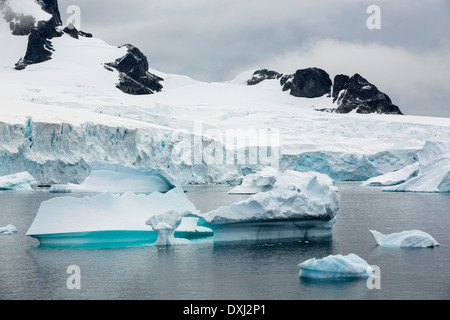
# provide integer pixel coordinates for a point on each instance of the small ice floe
(336, 267)
(405, 239)
(9, 229)
(21, 181)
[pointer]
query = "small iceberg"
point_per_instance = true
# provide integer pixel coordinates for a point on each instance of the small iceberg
(9, 229)
(21, 181)
(405, 239)
(257, 182)
(109, 219)
(393, 178)
(165, 224)
(116, 178)
(300, 205)
(433, 173)
(336, 267)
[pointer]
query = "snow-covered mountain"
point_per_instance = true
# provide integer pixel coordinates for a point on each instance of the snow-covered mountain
(68, 99)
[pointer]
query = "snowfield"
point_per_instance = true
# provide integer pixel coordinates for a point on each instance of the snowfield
(60, 116)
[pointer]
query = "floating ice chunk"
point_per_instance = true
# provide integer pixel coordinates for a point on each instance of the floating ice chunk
(117, 178)
(105, 218)
(299, 205)
(405, 239)
(336, 266)
(9, 229)
(434, 177)
(257, 182)
(432, 151)
(22, 181)
(165, 224)
(393, 178)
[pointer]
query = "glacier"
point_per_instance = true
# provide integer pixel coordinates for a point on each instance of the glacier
(405, 239)
(116, 178)
(108, 219)
(21, 181)
(300, 205)
(336, 267)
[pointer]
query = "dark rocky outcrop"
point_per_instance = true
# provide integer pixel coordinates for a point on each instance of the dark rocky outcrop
(308, 83)
(261, 75)
(134, 77)
(360, 95)
(348, 93)
(340, 83)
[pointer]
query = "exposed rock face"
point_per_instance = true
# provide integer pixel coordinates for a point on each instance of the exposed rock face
(340, 83)
(134, 77)
(362, 96)
(308, 83)
(263, 74)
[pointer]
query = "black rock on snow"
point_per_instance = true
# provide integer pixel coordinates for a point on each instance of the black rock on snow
(261, 75)
(134, 77)
(358, 94)
(307, 83)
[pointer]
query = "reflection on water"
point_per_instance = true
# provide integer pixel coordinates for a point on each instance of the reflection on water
(236, 270)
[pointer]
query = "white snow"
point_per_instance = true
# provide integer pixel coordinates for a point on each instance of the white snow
(78, 220)
(28, 7)
(303, 205)
(433, 172)
(393, 178)
(408, 239)
(60, 116)
(21, 181)
(335, 266)
(116, 178)
(9, 229)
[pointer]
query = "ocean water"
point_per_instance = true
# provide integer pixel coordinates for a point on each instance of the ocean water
(267, 270)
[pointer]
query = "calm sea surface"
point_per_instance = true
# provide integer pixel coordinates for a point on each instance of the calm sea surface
(238, 270)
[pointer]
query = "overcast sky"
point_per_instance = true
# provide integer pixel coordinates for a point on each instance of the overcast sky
(216, 40)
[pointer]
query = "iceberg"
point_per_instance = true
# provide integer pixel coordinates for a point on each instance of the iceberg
(393, 178)
(405, 239)
(257, 182)
(106, 219)
(433, 173)
(9, 229)
(300, 205)
(21, 181)
(165, 224)
(336, 267)
(117, 178)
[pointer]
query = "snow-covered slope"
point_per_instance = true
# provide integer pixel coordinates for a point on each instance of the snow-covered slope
(59, 116)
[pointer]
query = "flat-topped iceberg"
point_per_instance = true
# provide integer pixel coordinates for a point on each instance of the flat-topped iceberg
(405, 239)
(300, 205)
(433, 173)
(107, 218)
(118, 178)
(336, 267)
(21, 181)
(9, 229)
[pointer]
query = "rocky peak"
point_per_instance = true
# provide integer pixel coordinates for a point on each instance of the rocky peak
(261, 75)
(134, 77)
(308, 83)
